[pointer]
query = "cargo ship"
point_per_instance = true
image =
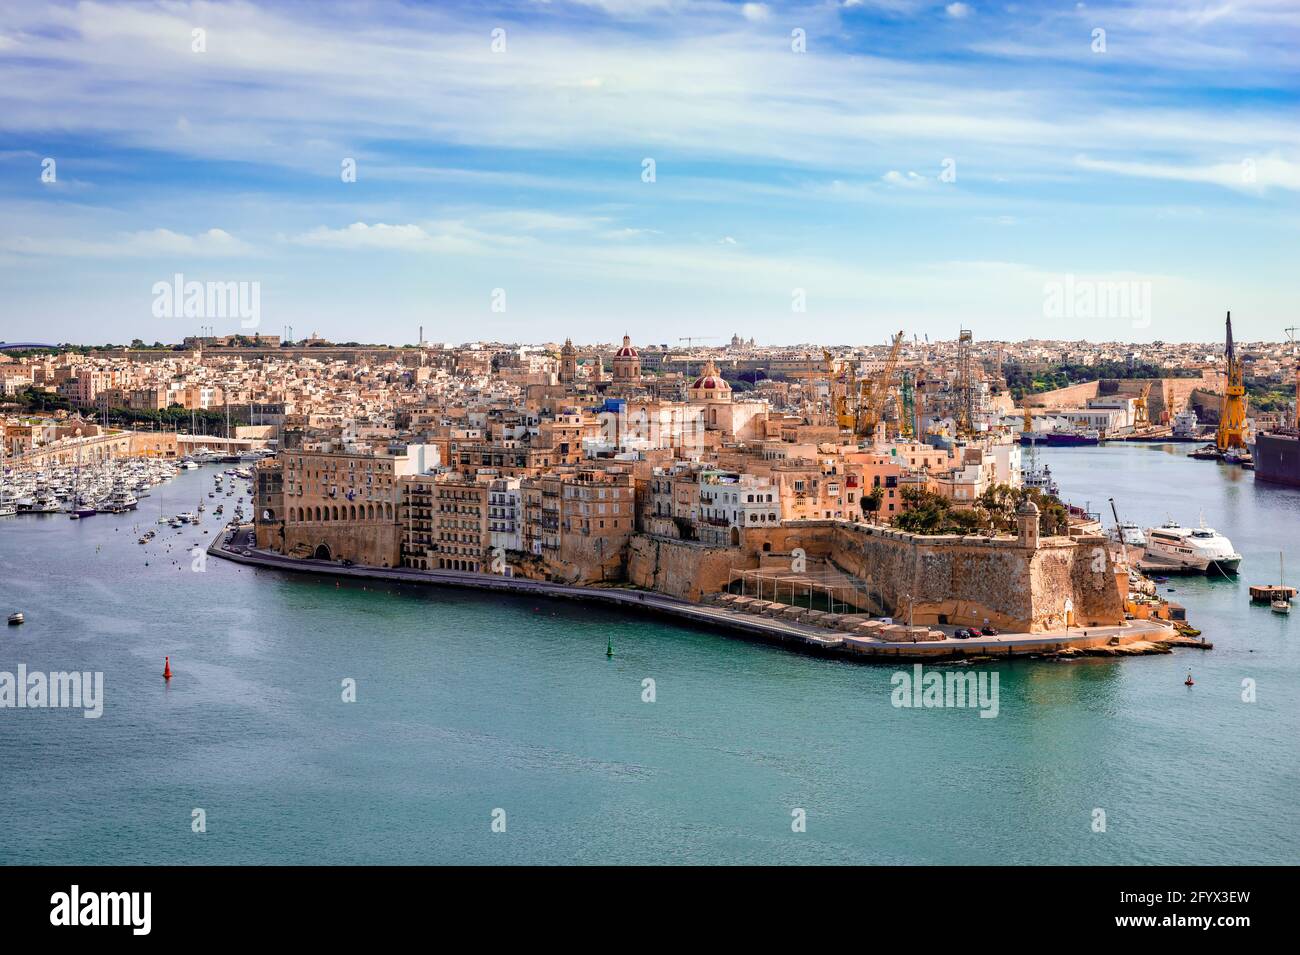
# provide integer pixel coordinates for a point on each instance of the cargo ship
(1277, 452)
(1062, 438)
(1277, 456)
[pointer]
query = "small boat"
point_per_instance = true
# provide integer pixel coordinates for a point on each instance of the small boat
(16, 618)
(1280, 603)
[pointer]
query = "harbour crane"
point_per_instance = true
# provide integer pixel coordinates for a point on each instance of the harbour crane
(1232, 409)
(1141, 417)
(873, 392)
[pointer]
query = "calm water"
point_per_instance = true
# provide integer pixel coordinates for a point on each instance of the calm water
(467, 704)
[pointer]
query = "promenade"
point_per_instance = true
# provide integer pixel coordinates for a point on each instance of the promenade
(1135, 637)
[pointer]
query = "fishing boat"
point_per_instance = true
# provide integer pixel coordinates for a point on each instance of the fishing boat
(16, 618)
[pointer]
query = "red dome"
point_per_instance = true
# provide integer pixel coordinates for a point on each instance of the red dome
(627, 351)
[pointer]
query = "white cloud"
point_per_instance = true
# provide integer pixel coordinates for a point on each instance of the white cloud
(957, 10)
(755, 12)
(910, 178)
(1250, 174)
(214, 243)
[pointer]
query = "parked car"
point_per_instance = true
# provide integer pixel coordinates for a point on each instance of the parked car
(990, 631)
(961, 633)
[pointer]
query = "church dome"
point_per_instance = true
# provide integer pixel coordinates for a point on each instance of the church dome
(627, 351)
(711, 381)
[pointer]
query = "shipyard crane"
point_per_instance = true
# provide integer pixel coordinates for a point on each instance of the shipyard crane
(1141, 416)
(873, 392)
(1232, 409)
(839, 386)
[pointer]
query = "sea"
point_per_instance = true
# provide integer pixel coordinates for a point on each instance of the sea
(330, 722)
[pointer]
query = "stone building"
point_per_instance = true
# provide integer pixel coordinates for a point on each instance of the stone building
(445, 522)
(568, 363)
(579, 522)
(627, 364)
(346, 504)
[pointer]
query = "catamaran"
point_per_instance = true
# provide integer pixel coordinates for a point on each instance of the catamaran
(1201, 548)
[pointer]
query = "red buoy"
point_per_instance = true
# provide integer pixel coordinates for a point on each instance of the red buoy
(1189, 681)
(167, 668)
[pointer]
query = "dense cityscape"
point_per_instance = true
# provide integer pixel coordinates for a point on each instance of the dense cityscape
(518, 437)
(700, 473)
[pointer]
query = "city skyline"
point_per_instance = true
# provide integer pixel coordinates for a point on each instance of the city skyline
(881, 165)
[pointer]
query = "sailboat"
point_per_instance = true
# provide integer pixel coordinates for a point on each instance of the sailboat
(1280, 603)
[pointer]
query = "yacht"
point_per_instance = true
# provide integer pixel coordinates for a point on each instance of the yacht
(45, 502)
(1040, 478)
(1201, 548)
(119, 500)
(1129, 533)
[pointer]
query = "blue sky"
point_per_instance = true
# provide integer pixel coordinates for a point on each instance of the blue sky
(1171, 157)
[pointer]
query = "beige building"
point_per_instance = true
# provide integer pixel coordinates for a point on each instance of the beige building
(346, 504)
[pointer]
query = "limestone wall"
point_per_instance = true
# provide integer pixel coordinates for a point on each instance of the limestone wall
(375, 544)
(681, 569)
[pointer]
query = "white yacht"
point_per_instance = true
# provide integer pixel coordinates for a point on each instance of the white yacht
(1129, 533)
(119, 500)
(1200, 548)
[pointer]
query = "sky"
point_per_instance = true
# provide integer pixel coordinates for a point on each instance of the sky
(828, 172)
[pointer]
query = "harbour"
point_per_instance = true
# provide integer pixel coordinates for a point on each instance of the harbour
(468, 697)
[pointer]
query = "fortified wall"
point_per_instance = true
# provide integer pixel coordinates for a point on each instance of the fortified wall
(1019, 584)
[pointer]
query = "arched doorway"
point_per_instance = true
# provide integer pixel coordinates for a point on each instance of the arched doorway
(323, 553)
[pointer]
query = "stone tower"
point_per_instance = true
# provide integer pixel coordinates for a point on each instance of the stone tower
(568, 363)
(1027, 523)
(627, 363)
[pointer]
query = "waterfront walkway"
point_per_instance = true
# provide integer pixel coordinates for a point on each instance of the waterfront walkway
(1138, 634)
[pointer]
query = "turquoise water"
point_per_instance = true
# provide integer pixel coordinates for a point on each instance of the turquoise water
(469, 703)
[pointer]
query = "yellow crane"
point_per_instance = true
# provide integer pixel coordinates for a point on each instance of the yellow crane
(841, 384)
(1141, 417)
(1232, 409)
(873, 392)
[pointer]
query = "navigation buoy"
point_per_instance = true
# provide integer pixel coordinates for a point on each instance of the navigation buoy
(609, 646)
(1189, 681)
(167, 668)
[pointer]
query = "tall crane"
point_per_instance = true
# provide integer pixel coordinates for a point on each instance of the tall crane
(1141, 416)
(873, 391)
(841, 384)
(1232, 409)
